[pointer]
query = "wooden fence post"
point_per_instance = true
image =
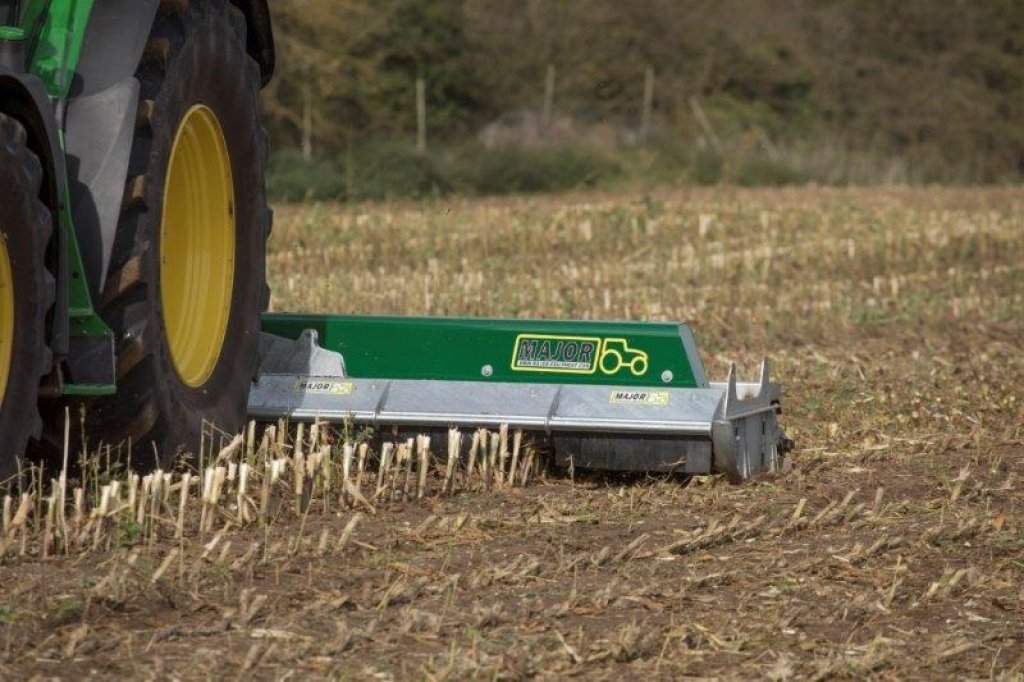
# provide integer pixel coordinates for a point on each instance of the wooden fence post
(549, 97)
(307, 119)
(648, 103)
(421, 116)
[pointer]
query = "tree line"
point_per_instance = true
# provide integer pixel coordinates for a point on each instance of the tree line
(937, 85)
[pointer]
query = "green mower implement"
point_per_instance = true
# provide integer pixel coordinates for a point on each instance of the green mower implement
(132, 277)
(621, 396)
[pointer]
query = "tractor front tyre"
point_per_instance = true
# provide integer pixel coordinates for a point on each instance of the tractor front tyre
(26, 293)
(187, 281)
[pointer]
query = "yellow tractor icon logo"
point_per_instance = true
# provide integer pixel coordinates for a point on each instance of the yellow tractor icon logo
(616, 354)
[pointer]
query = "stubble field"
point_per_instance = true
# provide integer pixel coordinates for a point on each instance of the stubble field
(892, 546)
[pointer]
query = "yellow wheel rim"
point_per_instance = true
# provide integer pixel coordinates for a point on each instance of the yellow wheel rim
(197, 246)
(6, 316)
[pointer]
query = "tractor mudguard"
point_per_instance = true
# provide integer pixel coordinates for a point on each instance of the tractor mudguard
(24, 96)
(99, 130)
(99, 125)
(115, 38)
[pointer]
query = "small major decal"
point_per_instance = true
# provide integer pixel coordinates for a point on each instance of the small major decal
(323, 386)
(656, 398)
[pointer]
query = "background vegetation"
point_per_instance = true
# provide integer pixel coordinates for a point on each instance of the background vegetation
(748, 92)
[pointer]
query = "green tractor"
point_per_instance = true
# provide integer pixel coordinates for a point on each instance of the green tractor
(132, 277)
(133, 216)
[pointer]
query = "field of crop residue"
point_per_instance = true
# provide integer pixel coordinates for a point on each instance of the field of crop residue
(892, 546)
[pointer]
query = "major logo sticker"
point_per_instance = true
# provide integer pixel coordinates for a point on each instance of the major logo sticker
(576, 355)
(549, 353)
(323, 386)
(656, 398)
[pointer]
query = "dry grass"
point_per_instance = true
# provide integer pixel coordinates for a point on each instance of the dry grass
(894, 547)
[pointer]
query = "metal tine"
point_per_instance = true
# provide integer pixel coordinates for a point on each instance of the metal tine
(730, 390)
(765, 369)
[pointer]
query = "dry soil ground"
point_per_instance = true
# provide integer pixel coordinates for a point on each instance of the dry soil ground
(892, 548)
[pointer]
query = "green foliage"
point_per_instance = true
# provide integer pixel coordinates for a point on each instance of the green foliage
(762, 171)
(377, 171)
(512, 170)
(290, 178)
(707, 167)
(391, 169)
(425, 39)
(383, 170)
(130, 533)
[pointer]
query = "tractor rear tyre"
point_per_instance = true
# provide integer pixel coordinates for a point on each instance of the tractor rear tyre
(26, 293)
(187, 281)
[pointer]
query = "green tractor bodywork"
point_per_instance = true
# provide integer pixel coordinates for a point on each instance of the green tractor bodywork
(58, 29)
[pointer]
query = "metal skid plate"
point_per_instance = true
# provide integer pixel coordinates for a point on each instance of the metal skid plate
(541, 407)
(601, 426)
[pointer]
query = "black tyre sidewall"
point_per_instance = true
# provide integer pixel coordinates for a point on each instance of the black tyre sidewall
(211, 71)
(206, 64)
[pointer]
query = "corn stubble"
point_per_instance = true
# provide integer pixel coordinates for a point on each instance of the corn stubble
(290, 471)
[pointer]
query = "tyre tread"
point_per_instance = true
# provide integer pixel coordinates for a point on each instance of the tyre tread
(23, 421)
